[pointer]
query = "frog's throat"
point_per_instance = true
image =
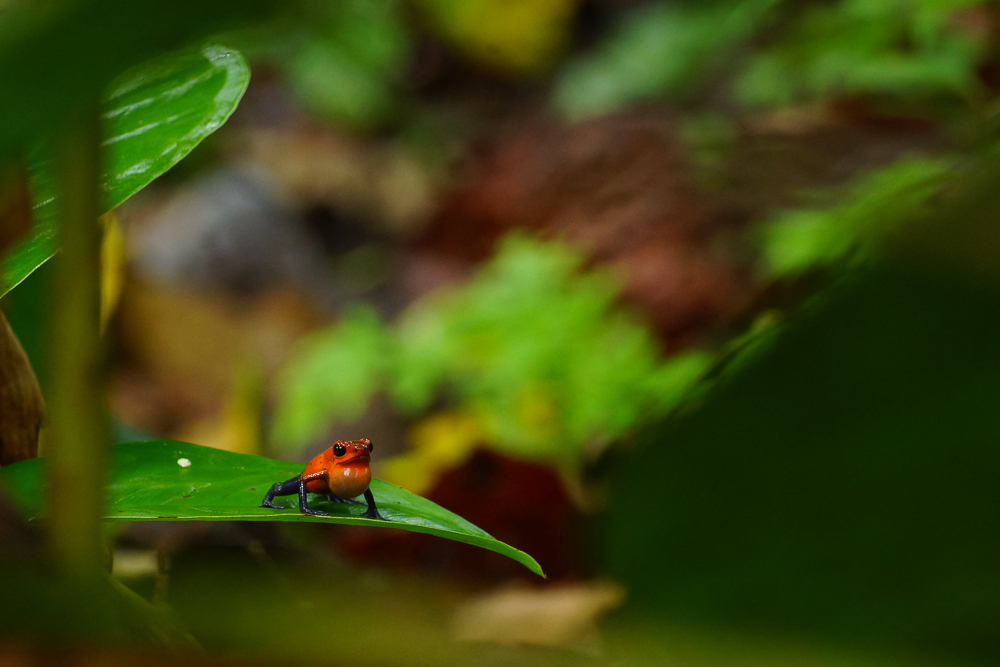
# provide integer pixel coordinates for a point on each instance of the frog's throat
(361, 457)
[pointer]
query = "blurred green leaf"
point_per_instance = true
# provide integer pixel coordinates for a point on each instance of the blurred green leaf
(840, 484)
(533, 347)
(901, 48)
(344, 59)
(148, 484)
(334, 372)
(878, 204)
(153, 116)
(658, 50)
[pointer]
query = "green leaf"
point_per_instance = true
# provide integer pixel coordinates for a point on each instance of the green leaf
(28, 254)
(56, 58)
(156, 115)
(148, 484)
(153, 116)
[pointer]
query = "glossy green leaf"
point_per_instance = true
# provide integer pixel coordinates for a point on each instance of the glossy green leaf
(156, 115)
(153, 116)
(148, 484)
(36, 248)
(57, 57)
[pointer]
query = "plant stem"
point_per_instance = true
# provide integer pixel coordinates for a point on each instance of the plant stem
(79, 426)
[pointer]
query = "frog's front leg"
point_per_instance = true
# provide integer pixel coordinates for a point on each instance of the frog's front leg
(303, 500)
(372, 511)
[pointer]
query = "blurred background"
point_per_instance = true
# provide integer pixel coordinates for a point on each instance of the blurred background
(695, 302)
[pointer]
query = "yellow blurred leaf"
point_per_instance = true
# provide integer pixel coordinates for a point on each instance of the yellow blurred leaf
(514, 36)
(113, 260)
(537, 410)
(196, 338)
(441, 442)
(237, 427)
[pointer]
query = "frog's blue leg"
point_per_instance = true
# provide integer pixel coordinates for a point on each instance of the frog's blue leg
(303, 501)
(286, 488)
(372, 512)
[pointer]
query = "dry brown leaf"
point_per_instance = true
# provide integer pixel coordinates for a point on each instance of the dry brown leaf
(21, 406)
(561, 616)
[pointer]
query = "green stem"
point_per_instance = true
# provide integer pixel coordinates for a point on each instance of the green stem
(79, 428)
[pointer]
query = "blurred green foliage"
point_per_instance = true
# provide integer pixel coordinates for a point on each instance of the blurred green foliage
(875, 206)
(660, 49)
(533, 347)
(908, 50)
(344, 60)
(334, 374)
(350, 63)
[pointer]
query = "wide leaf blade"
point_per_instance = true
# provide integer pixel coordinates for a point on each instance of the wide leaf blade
(153, 116)
(148, 484)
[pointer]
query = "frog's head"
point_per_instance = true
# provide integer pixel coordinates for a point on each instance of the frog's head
(352, 452)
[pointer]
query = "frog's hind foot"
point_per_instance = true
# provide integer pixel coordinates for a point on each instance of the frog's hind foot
(334, 498)
(272, 506)
(286, 488)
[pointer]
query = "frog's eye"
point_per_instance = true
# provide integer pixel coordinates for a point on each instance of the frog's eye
(371, 447)
(339, 450)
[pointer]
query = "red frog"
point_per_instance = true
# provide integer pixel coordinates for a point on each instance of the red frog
(340, 473)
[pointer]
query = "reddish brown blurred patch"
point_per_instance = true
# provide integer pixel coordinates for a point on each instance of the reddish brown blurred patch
(621, 188)
(22, 408)
(522, 504)
(28, 654)
(15, 204)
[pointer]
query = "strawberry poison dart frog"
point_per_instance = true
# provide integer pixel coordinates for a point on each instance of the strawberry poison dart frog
(340, 473)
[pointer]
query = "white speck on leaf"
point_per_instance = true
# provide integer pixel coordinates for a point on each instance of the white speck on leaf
(184, 463)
